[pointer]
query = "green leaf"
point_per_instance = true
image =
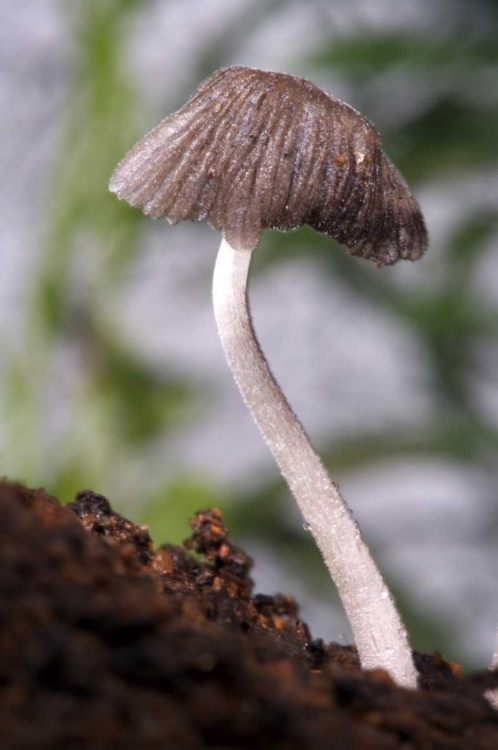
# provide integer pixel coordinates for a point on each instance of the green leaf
(168, 510)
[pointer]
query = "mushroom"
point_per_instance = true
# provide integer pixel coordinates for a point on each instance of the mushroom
(253, 149)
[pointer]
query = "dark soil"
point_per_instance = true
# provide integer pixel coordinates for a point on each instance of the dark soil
(108, 642)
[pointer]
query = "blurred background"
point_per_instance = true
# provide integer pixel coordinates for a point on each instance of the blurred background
(111, 374)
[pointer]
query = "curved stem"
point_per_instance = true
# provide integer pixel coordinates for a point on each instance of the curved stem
(494, 659)
(379, 634)
(492, 695)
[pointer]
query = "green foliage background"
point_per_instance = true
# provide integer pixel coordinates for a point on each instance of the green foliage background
(122, 407)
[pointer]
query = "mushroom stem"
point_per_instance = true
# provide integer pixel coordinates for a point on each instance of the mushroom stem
(492, 695)
(379, 634)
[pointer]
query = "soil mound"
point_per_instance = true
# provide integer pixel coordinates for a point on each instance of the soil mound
(109, 642)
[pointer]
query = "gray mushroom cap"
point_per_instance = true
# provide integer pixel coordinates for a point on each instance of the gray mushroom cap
(253, 149)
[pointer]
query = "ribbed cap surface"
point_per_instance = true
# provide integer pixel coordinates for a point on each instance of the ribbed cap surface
(254, 149)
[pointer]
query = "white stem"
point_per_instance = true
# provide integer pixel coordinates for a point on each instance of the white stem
(492, 695)
(494, 659)
(379, 634)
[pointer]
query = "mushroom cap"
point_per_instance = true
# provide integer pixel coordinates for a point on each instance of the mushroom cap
(254, 149)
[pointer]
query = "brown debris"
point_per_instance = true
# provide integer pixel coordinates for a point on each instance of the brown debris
(106, 642)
